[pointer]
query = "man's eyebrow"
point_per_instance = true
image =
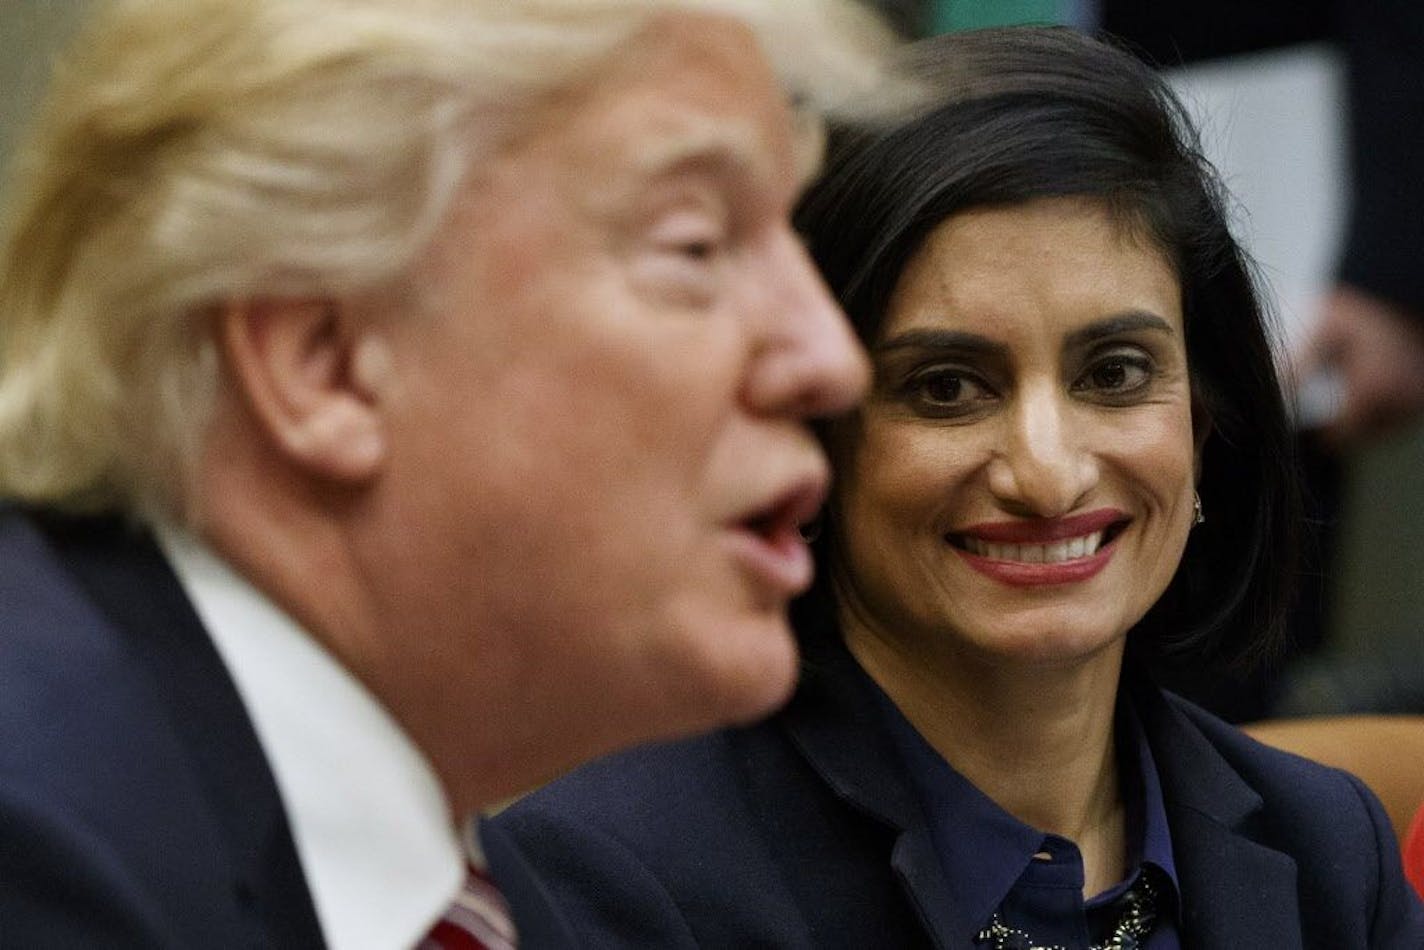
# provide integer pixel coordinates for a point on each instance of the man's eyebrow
(808, 145)
(940, 340)
(728, 150)
(733, 146)
(1126, 322)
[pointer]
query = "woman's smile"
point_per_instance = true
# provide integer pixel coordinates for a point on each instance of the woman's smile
(1055, 553)
(1042, 550)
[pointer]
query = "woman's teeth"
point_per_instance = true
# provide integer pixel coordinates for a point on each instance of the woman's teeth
(1068, 549)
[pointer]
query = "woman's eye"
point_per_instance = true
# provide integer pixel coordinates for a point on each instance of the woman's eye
(1116, 374)
(942, 391)
(942, 387)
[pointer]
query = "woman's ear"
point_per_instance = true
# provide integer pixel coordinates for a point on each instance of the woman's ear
(312, 382)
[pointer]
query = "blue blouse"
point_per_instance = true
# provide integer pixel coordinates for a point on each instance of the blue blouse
(989, 855)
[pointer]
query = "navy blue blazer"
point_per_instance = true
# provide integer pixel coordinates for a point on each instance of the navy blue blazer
(136, 807)
(803, 831)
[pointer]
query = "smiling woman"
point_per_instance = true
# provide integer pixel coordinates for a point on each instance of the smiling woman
(1071, 368)
(1020, 483)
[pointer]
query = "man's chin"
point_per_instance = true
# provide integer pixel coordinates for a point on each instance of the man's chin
(756, 672)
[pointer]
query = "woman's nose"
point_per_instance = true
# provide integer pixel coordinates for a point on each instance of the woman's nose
(1043, 468)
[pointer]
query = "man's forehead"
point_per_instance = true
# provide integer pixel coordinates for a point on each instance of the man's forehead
(739, 148)
(746, 126)
(738, 144)
(677, 99)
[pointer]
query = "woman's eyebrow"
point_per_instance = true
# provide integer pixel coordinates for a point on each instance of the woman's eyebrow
(974, 343)
(1126, 322)
(956, 340)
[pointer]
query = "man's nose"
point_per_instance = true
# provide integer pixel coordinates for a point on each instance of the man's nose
(809, 362)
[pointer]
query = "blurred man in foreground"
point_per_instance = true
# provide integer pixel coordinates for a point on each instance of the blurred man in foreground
(399, 404)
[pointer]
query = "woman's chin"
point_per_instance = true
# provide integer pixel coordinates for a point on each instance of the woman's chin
(1058, 650)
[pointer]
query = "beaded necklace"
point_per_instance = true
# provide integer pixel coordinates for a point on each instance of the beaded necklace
(1139, 916)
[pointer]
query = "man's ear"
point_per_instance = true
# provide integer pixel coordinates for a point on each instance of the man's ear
(312, 382)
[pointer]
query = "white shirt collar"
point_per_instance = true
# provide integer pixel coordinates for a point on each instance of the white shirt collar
(371, 822)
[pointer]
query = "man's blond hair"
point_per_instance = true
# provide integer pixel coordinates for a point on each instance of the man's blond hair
(192, 152)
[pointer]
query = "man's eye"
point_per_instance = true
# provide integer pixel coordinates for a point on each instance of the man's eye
(703, 250)
(691, 236)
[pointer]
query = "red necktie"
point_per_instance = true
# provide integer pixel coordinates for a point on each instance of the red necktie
(479, 919)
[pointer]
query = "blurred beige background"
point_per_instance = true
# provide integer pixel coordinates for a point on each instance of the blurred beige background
(30, 32)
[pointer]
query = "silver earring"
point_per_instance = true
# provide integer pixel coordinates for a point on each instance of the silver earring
(1197, 516)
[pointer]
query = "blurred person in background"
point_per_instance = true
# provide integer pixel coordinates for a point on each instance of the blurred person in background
(1370, 332)
(399, 404)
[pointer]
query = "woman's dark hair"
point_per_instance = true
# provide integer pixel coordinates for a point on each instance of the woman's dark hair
(1025, 112)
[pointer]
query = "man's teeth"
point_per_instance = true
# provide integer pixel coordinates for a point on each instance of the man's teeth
(1066, 550)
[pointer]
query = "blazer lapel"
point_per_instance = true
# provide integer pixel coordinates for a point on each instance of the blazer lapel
(1236, 892)
(835, 723)
(536, 916)
(111, 560)
(916, 863)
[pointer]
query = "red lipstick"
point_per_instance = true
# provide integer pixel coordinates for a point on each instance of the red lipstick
(1040, 551)
(1044, 530)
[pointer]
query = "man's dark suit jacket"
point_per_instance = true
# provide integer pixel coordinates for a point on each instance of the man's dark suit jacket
(136, 807)
(804, 832)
